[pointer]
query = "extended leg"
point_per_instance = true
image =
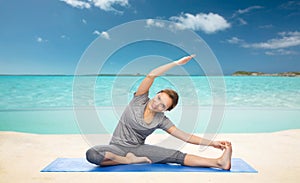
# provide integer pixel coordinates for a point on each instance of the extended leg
(224, 162)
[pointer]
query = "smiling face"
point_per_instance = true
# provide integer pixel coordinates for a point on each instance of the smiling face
(160, 103)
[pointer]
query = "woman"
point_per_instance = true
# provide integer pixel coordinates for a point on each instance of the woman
(140, 118)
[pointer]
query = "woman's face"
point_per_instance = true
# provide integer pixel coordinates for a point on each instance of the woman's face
(161, 102)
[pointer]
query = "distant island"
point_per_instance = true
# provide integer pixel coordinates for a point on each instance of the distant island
(285, 74)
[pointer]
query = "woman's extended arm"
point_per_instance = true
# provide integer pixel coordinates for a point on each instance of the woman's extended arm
(193, 139)
(148, 81)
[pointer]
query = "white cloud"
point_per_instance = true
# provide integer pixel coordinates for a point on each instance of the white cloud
(275, 46)
(41, 40)
(107, 5)
(208, 23)
(78, 3)
(290, 5)
(281, 52)
(151, 22)
(84, 21)
(266, 26)
(96, 32)
(64, 37)
(288, 39)
(247, 10)
(244, 11)
(242, 21)
(235, 40)
(103, 34)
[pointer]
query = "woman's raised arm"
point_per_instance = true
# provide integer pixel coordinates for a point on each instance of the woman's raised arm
(149, 79)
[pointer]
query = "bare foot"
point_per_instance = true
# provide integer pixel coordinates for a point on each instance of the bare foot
(225, 160)
(134, 159)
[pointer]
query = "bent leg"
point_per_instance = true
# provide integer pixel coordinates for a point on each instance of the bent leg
(98, 154)
(130, 158)
(106, 155)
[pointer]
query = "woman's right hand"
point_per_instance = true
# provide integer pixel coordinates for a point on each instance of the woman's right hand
(184, 60)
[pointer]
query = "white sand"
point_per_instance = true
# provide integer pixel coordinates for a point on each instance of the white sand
(274, 155)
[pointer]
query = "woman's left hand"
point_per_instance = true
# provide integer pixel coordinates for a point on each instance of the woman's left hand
(184, 60)
(220, 144)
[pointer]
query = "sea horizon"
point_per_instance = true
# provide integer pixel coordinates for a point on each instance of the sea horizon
(246, 73)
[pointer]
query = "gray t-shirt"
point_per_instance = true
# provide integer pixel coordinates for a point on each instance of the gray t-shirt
(132, 130)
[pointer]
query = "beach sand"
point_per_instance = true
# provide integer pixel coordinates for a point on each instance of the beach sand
(274, 155)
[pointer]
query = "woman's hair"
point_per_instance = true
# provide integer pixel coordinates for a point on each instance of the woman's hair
(173, 95)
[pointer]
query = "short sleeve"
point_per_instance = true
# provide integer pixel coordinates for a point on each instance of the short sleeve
(166, 124)
(140, 99)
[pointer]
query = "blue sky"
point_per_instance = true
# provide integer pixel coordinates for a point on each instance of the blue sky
(50, 36)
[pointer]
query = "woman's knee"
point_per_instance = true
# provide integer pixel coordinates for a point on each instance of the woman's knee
(95, 157)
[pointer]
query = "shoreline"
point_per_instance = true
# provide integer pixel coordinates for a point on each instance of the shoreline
(234, 120)
(273, 155)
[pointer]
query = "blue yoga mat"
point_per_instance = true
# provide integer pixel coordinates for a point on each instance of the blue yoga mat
(81, 165)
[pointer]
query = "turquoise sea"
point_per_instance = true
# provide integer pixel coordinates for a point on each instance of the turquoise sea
(45, 104)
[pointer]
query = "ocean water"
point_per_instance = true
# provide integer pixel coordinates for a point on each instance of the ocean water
(44, 104)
